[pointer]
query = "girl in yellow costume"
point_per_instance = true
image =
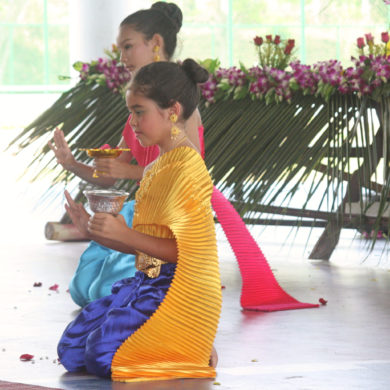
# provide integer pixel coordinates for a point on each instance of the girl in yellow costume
(161, 323)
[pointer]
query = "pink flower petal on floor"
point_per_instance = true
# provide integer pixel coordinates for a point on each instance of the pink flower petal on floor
(322, 301)
(37, 284)
(54, 287)
(26, 357)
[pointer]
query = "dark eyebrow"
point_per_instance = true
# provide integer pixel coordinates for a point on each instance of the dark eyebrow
(124, 41)
(135, 106)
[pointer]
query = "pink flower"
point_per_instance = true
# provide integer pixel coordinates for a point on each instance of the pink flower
(288, 49)
(291, 42)
(277, 40)
(369, 38)
(258, 41)
(268, 38)
(26, 357)
(85, 68)
(360, 43)
(385, 37)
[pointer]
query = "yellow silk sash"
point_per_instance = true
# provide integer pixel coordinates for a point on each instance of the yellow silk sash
(174, 201)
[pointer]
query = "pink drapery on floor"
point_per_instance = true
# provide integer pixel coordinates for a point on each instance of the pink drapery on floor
(260, 290)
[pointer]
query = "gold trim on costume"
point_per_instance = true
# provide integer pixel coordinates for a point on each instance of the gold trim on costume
(148, 265)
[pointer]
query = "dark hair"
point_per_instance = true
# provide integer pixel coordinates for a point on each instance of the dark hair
(161, 18)
(168, 82)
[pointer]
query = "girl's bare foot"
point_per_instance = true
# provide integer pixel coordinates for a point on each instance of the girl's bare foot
(213, 358)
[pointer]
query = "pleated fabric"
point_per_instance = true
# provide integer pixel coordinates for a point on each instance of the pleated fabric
(90, 341)
(260, 289)
(176, 341)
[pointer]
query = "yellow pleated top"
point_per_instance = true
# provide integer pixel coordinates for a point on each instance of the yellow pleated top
(174, 200)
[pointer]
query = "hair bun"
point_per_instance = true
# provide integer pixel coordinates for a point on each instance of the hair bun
(172, 11)
(194, 71)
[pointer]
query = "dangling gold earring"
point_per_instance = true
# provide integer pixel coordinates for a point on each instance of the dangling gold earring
(175, 131)
(156, 54)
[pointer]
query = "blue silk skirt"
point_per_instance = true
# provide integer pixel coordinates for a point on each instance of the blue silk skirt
(91, 340)
(100, 267)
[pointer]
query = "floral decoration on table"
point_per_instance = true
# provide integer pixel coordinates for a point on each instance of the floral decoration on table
(369, 74)
(105, 71)
(274, 52)
(277, 76)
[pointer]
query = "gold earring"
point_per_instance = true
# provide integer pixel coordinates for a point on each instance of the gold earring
(156, 57)
(175, 131)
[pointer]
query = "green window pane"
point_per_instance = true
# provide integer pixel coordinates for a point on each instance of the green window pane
(28, 64)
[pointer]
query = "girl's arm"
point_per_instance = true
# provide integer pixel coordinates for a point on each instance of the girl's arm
(113, 169)
(112, 232)
(120, 167)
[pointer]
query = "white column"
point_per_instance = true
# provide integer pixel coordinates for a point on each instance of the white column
(93, 25)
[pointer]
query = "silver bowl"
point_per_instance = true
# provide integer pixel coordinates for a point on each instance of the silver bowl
(106, 201)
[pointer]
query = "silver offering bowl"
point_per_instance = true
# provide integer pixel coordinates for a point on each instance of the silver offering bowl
(106, 201)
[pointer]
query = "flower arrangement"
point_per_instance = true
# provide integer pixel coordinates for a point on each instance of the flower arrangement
(274, 52)
(372, 48)
(369, 75)
(105, 71)
(277, 76)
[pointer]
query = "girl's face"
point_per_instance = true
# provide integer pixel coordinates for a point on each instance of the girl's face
(150, 123)
(136, 52)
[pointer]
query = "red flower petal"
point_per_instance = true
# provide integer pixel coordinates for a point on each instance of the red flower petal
(223, 287)
(26, 357)
(323, 301)
(105, 146)
(37, 284)
(54, 287)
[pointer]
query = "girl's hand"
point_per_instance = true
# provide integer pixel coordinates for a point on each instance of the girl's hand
(78, 214)
(61, 150)
(113, 167)
(107, 226)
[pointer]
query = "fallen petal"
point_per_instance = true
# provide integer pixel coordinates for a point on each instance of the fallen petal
(323, 301)
(26, 357)
(37, 284)
(54, 287)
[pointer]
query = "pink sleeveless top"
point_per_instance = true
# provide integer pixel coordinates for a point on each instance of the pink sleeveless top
(143, 155)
